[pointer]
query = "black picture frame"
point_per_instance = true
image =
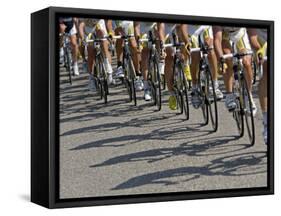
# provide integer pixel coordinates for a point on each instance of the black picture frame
(45, 108)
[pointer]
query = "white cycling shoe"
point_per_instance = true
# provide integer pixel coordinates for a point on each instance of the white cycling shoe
(230, 102)
(254, 107)
(119, 73)
(147, 95)
(138, 84)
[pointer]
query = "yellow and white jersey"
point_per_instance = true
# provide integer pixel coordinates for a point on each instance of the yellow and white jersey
(201, 33)
(238, 37)
(92, 25)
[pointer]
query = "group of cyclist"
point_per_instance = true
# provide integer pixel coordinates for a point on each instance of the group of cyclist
(223, 40)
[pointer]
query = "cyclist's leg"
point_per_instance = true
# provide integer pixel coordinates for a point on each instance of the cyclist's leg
(169, 63)
(75, 50)
(228, 77)
(62, 28)
(134, 52)
(119, 53)
(194, 67)
(91, 63)
(182, 32)
(209, 41)
(263, 99)
(144, 68)
(81, 33)
(101, 33)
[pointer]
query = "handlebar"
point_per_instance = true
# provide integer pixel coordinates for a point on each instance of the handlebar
(236, 55)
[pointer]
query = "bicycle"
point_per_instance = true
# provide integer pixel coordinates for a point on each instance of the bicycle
(154, 77)
(129, 69)
(67, 55)
(206, 87)
(180, 82)
(100, 75)
(243, 112)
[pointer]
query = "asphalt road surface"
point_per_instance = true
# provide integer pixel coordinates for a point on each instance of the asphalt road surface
(120, 149)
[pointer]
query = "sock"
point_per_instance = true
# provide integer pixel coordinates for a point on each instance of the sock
(194, 86)
(75, 64)
(216, 84)
(145, 85)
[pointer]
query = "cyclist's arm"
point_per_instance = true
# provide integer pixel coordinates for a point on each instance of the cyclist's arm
(81, 30)
(218, 40)
(252, 33)
(137, 29)
(183, 28)
(161, 31)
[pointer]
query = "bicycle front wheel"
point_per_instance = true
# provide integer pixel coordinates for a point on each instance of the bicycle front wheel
(211, 101)
(132, 76)
(157, 85)
(202, 85)
(248, 112)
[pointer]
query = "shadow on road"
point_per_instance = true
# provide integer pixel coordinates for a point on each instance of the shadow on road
(250, 163)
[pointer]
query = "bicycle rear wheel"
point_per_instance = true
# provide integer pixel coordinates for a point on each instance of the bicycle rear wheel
(211, 101)
(248, 112)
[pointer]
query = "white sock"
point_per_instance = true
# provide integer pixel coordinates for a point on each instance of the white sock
(75, 64)
(216, 84)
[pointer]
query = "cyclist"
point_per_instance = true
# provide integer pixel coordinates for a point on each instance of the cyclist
(127, 28)
(226, 38)
(182, 32)
(141, 32)
(258, 39)
(96, 28)
(203, 33)
(67, 25)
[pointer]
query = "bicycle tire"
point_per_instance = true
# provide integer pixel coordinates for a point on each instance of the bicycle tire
(238, 117)
(249, 117)
(131, 71)
(157, 85)
(68, 65)
(179, 98)
(202, 91)
(211, 99)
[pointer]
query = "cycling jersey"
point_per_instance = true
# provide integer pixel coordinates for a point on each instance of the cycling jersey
(69, 23)
(201, 33)
(93, 25)
(238, 38)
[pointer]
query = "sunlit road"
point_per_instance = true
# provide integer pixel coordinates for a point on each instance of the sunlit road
(118, 148)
